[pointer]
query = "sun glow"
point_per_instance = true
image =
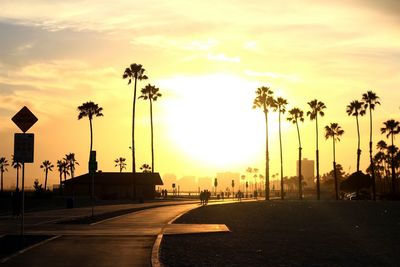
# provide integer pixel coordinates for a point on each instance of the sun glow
(208, 121)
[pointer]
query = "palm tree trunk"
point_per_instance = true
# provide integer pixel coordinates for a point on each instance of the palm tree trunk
(280, 146)
(60, 189)
(133, 128)
(370, 154)
(45, 180)
(334, 170)
(152, 137)
(91, 136)
(393, 169)
(266, 156)
(358, 147)
(17, 178)
(1, 181)
(317, 157)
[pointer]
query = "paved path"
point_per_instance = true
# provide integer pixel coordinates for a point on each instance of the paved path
(126, 240)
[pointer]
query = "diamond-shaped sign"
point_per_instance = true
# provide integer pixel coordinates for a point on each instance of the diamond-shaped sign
(24, 119)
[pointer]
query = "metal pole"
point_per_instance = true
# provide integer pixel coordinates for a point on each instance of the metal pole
(92, 194)
(23, 199)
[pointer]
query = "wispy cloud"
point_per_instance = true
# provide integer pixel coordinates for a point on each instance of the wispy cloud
(223, 57)
(292, 78)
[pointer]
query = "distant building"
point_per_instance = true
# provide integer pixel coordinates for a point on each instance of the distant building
(307, 170)
(204, 183)
(187, 184)
(114, 185)
(225, 180)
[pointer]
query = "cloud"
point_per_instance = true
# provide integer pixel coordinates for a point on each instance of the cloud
(292, 78)
(223, 57)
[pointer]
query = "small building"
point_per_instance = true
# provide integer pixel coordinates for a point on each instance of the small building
(114, 185)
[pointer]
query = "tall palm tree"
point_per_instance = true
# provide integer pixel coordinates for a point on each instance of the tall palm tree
(134, 72)
(120, 162)
(370, 101)
(265, 101)
(296, 115)
(334, 131)
(70, 159)
(356, 108)
(47, 166)
(150, 92)
(391, 129)
(145, 168)
(317, 108)
(3, 168)
(16, 165)
(90, 109)
(280, 106)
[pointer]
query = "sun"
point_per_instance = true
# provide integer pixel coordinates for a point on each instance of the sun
(211, 120)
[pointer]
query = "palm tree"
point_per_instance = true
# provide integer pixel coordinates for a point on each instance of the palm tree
(135, 72)
(16, 165)
(3, 168)
(120, 162)
(317, 108)
(150, 92)
(280, 106)
(391, 128)
(334, 131)
(264, 101)
(356, 108)
(60, 168)
(296, 115)
(90, 109)
(371, 100)
(47, 166)
(70, 159)
(145, 168)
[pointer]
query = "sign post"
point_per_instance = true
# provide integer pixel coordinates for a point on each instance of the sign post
(23, 149)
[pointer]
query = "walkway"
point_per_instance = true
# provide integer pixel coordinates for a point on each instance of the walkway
(126, 240)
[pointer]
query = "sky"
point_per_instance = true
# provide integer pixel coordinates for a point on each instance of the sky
(208, 58)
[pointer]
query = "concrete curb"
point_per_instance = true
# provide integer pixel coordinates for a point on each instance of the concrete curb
(155, 252)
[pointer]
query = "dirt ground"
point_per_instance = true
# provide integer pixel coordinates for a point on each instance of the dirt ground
(290, 233)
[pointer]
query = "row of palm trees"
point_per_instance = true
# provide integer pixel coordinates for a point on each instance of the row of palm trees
(266, 102)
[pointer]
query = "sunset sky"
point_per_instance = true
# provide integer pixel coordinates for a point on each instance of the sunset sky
(207, 58)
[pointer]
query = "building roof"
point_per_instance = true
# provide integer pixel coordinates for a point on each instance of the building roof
(117, 178)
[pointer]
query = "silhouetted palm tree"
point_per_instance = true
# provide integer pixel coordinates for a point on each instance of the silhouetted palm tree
(280, 106)
(16, 165)
(317, 108)
(356, 108)
(134, 72)
(71, 161)
(371, 100)
(264, 101)
(3, 168)
(145, 168)
(296, 115)
(90, 109)
(150, 92)
(47, 166)
(60, 168)
(391, 128)
(334, 131)
(120, 162)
